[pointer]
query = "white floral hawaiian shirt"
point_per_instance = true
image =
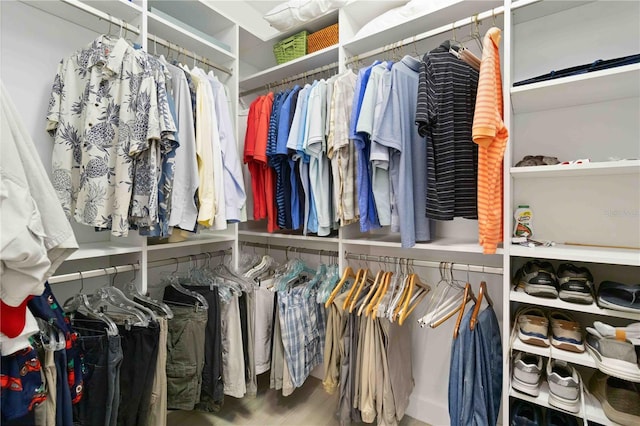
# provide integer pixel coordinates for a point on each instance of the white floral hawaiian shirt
(103, 113)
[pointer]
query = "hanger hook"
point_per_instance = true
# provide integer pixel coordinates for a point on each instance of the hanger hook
(135, 271)
(453, 29)
(110, 23)
(493, 15)
(115, 274)
(81, 282)
(121, 25)
(177, 265)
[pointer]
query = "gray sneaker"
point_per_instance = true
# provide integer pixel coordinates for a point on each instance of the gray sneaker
(527, 371)
(564, 386)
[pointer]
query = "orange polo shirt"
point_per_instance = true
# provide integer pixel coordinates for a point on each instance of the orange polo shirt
(491, 135)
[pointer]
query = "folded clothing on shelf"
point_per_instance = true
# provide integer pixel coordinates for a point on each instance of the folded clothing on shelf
(582, 69)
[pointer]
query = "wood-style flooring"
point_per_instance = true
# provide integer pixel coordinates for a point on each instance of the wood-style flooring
(309, 405)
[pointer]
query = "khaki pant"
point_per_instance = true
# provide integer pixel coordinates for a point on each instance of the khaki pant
(158, 404)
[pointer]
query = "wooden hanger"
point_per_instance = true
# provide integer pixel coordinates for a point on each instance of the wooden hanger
(361, 276)
(411, 300)
(476, 310)
(372, 308)
(370, 280)
(348, 273)
(373, 289)
(468, 295)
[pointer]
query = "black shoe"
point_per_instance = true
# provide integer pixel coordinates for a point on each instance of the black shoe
(525, 414)
(576, 284)
(537, 279)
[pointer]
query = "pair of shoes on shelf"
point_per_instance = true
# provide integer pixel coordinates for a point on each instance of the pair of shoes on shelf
(616, 350)
(537, 160)
(525, 413)
(563, 379)
(620, 399)
(619, 296)
(572, 283)
(564, 333)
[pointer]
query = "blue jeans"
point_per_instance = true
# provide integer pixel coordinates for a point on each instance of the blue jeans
(488, 376)
(475, 377)
(103, 358)
(461, 373)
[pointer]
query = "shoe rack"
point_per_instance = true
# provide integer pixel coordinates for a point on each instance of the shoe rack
(590, 211)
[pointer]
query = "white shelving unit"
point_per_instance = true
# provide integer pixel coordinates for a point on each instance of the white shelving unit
(621, 167)
(102, 249)
(562, 117)
(560, 26)
(311, 61)
(593, 87)
(361, 12)
(611, 256)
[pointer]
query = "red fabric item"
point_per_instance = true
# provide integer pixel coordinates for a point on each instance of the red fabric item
(260, 155)
(12, 318)
(255, 169)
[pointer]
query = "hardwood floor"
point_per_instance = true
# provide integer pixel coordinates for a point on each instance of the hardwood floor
(309, 405)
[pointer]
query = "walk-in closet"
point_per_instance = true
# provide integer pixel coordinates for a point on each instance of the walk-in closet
(319, 212)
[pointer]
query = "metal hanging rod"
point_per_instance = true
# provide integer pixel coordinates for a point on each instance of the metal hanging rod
(110, 270)
(431, 33)
(288, 80)
(290, 248)
(425, 263)
(102, 15)
(177, 48)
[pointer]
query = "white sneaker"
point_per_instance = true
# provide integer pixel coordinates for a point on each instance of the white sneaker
(564, 386)
(527, 370)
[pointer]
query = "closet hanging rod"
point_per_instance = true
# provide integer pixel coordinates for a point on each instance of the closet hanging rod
(101, 15)
(292, 249)
(425, 263)
(180, 50)
(288, 80)
(427, 34)
(109, 270)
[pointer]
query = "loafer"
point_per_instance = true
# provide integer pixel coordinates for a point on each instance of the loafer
(524, 413)
(537, 278)
(618, 296)
(566, 332)
(613, 357)
(527, 371)
(620, 399)
(533, 327)
(575, 284)
(564, 386)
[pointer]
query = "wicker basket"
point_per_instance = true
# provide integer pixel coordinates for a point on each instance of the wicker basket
(291, 48)
(324, 38)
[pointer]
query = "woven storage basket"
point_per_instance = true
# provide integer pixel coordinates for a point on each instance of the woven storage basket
(291, 48)
(321, 39)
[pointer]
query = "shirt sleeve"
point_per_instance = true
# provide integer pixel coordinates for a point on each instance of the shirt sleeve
(55, 100)
(235, 195)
